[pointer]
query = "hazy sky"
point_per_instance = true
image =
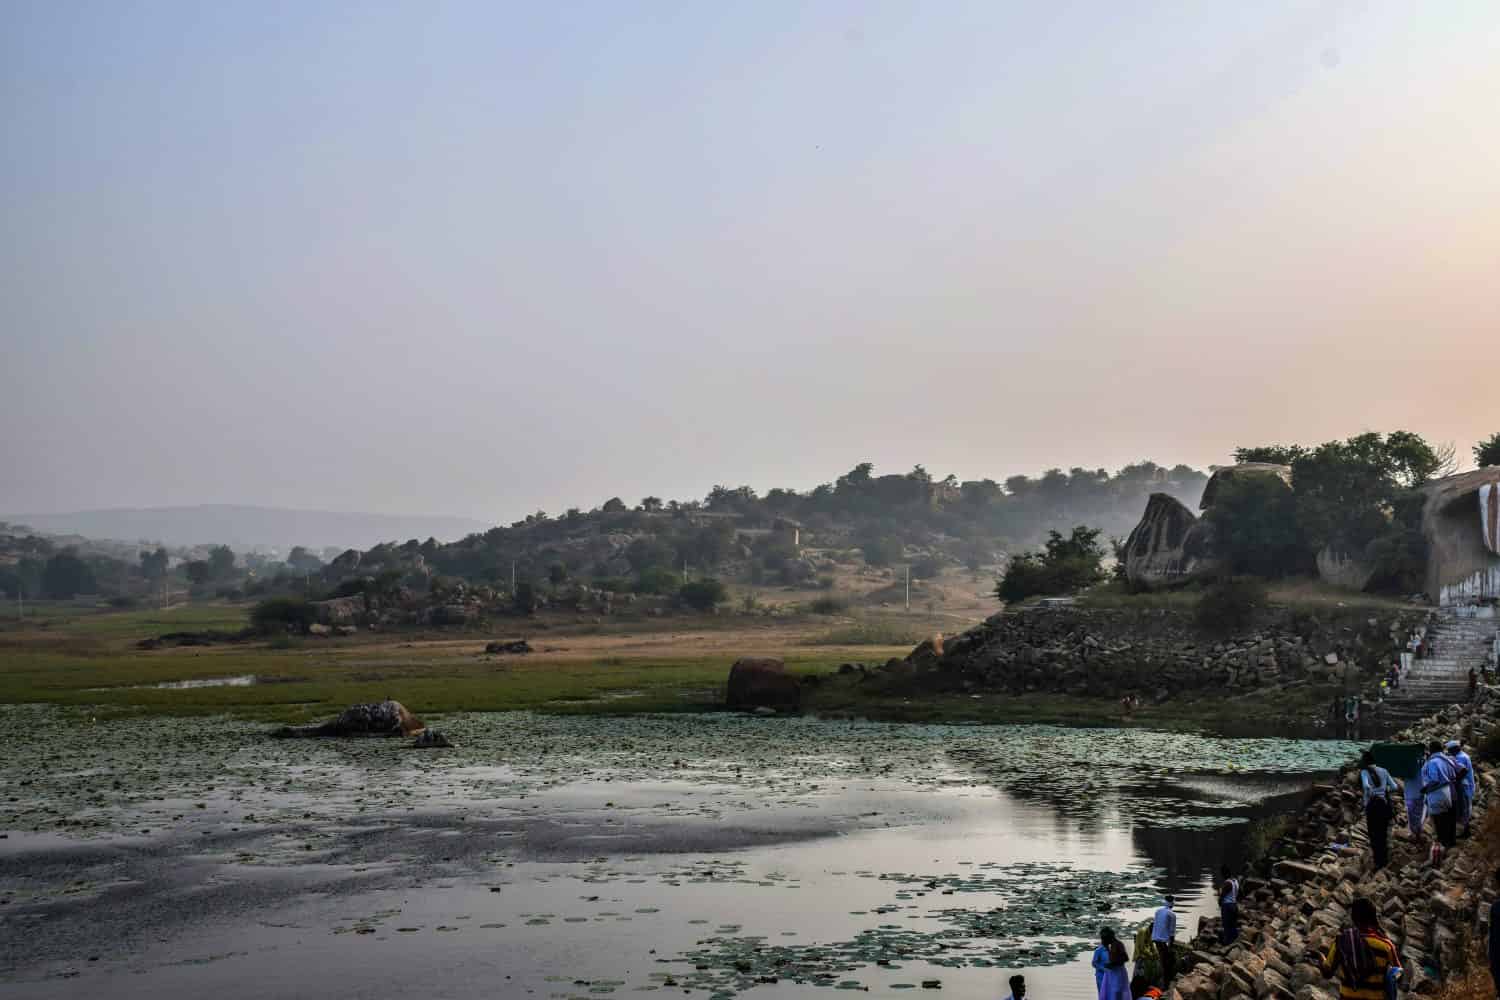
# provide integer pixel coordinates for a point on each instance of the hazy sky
(478, 259)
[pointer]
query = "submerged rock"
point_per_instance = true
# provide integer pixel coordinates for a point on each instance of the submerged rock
(431, 739)
(381, 718)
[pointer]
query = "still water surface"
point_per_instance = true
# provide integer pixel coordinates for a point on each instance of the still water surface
(577, 857)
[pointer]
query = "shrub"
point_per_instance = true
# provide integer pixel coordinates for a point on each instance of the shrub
(1067, 565)
(704, 594)
(1229, 606)
(825, 582)
(828, 606)
(882, 551)
(277, 614)
(656, 580)
(123, 601)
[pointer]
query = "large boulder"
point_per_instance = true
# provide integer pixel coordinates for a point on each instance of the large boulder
(762, 682)
(1245, 470)
(1169, 546)
(1461, 525)
(340, 610)
(380, 718)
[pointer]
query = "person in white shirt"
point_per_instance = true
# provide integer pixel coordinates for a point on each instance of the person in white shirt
(1163, 930)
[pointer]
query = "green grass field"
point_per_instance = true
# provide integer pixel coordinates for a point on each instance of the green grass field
(90, 659)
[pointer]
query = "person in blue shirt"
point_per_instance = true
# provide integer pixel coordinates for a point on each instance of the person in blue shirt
(1229, 905)
(1416, 806)
(1378, 787)
(1100, 963)
(1017, 988)
(1163, 930)
(1467, 783)
(1115, 985)
(1438, 777)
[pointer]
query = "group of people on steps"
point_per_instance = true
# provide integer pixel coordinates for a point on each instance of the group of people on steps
(1443, 791)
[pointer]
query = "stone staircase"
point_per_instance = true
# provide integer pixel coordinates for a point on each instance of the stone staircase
(1459, 641)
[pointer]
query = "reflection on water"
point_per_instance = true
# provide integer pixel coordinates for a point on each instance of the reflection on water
(580, 857)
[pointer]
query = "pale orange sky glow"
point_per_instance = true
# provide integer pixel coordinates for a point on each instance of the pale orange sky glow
(480, 259)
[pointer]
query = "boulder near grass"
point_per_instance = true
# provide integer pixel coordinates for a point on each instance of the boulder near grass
(381, 718)
(762, 682)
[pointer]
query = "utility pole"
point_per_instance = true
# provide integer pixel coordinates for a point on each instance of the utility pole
(512, 576)
(684, 571)
(908, 588)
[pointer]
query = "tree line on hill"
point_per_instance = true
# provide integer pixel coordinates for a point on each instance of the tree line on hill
(1360, 497)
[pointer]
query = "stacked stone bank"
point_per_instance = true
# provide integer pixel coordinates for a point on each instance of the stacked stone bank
(1294, 901)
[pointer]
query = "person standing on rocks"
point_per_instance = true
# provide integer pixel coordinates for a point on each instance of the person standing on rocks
(1377, 785)
(1361, 956)
(1116, 982)
(1229, 906)
(1463, 790)
(1163, 931)
(1438, 777)
(1416, 806)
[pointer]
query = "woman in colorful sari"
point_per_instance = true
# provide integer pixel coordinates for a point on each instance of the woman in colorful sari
(1362, 957)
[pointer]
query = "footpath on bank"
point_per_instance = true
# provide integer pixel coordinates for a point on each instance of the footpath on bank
(1294, 899)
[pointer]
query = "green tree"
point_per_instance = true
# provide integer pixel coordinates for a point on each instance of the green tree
(277, 614)
(614, 505)
(524, 598)
(651, 505)
(1066, 565)
(198, 572)
(703, 595)
(220, 562)
(557, 574)
(154, 564)
(1275, 454)
(656, 580)
(66, 575)
(1487, 452)
(648, 551)
(1255, 527)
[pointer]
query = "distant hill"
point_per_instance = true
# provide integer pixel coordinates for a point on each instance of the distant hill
(243, 527)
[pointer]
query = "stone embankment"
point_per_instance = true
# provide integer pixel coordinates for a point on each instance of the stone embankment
(1294, 900)
(1158, 652)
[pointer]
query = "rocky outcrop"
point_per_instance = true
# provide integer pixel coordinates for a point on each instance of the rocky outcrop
(762, 683)
(515, 646)
(1169, 545)
(340, 610)
(1461, 525)
(1294, 899)
(381, 718)
(1344, 569)
(431, 739)
(1155, 652)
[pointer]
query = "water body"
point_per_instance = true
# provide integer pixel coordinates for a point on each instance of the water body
(582, 857)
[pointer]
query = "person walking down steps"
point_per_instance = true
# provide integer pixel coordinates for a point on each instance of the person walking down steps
(1378, 787)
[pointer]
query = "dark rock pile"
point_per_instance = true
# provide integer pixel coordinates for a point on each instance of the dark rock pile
(1156, 652)
(1294, 900)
